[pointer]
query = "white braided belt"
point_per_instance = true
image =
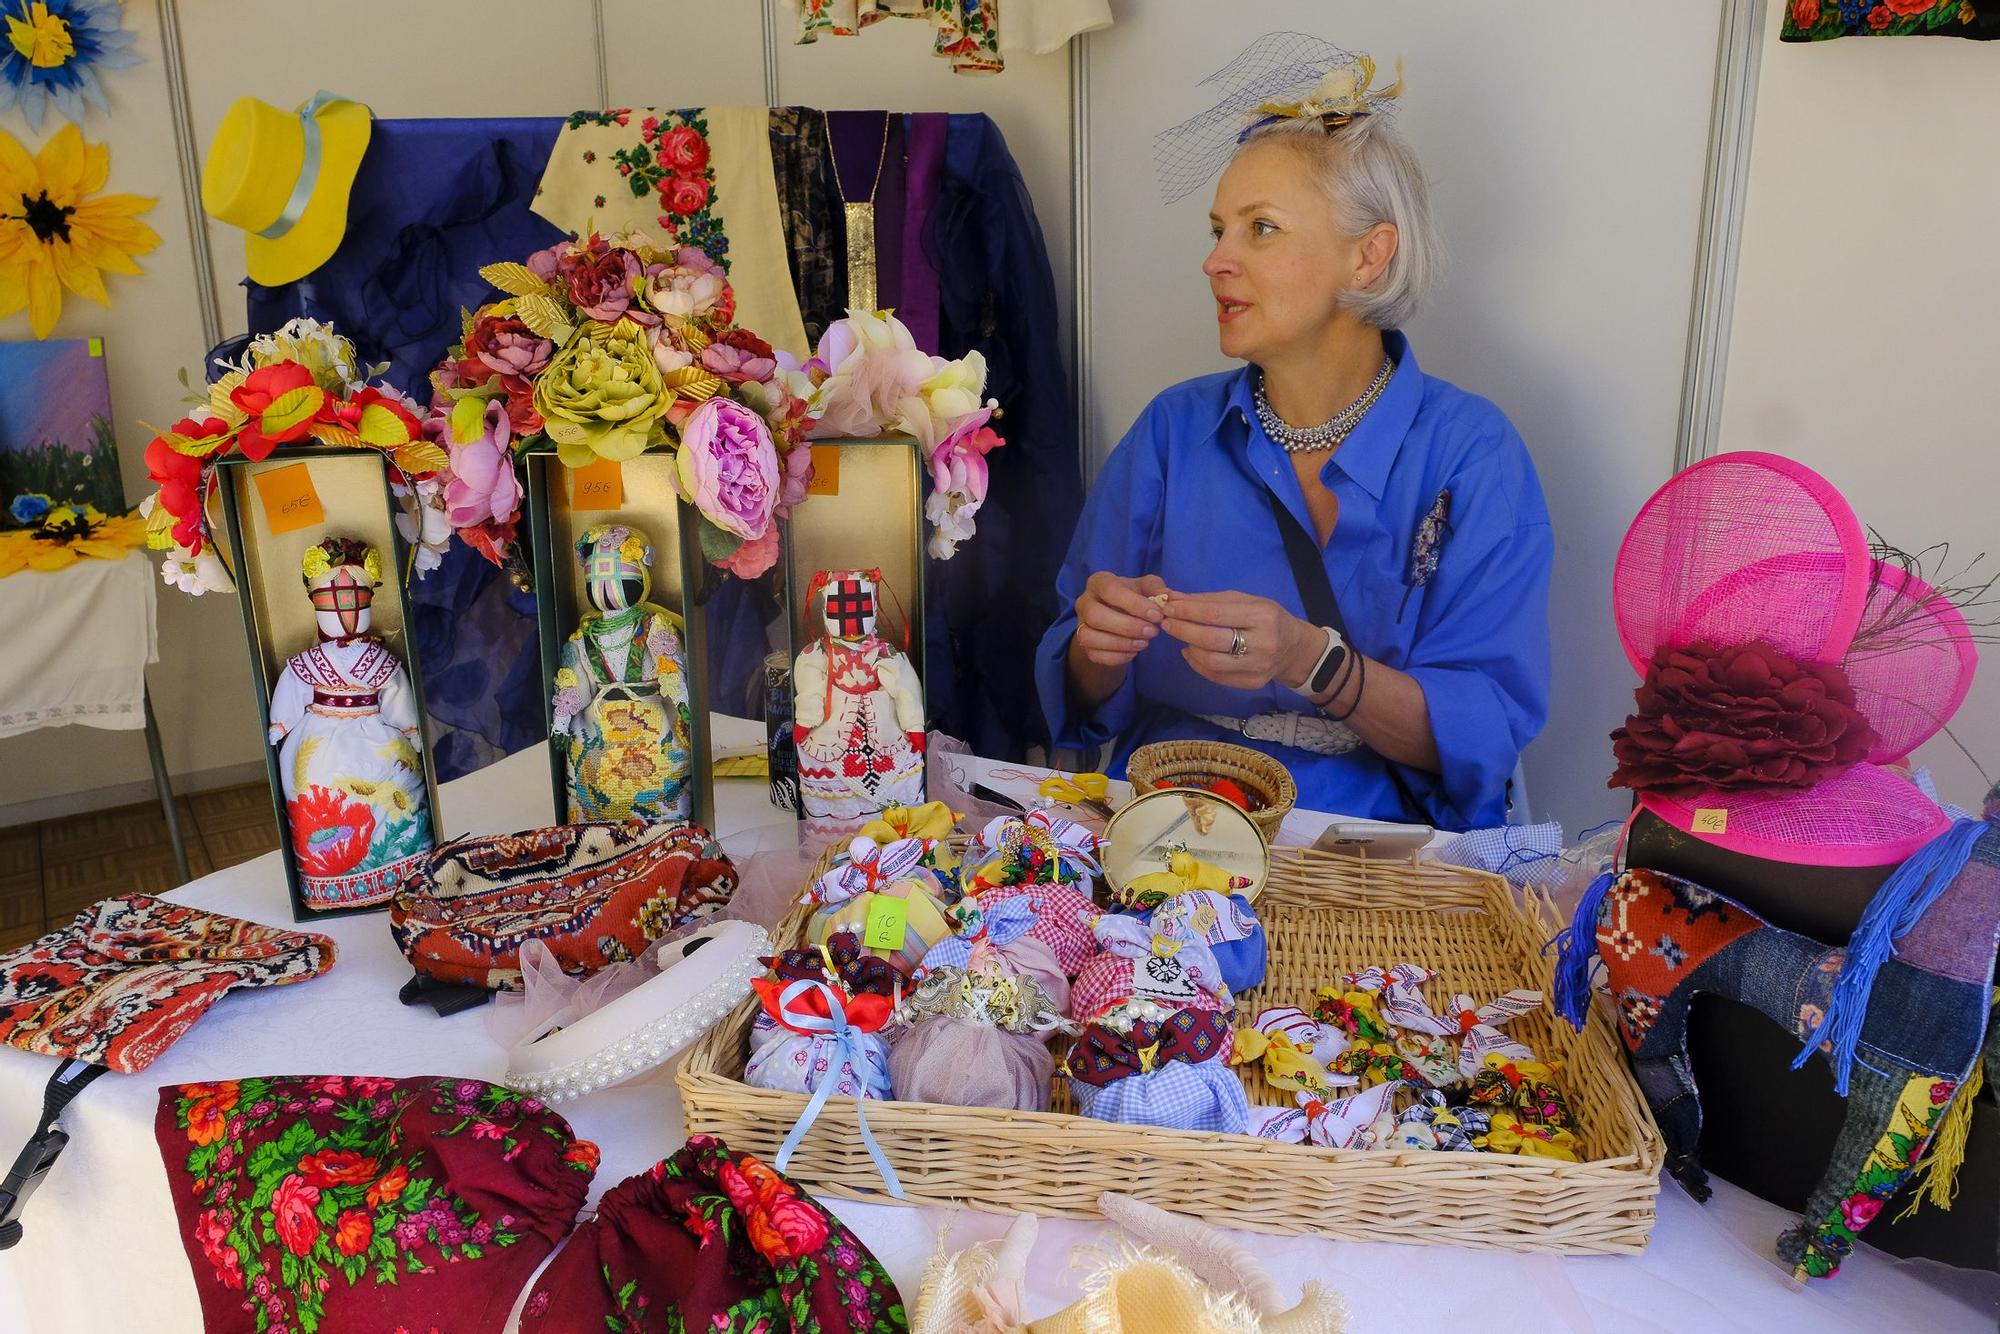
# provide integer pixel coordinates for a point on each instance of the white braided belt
(1310, 732)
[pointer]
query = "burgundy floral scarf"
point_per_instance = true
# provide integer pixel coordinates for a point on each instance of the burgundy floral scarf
(339, 1203)
(713, 1241)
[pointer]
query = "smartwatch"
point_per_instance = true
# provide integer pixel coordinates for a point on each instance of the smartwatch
(1323, 672)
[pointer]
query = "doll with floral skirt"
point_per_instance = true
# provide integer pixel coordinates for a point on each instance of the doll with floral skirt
(349, 763)
(621, 701)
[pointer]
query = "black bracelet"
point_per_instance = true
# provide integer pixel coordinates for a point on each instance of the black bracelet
(1347, 669)
(1361, 686)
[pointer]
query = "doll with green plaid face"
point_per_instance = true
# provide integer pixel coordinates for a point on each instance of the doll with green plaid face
(621, 701)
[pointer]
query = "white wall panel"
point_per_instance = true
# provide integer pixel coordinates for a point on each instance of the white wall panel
(1566, 143)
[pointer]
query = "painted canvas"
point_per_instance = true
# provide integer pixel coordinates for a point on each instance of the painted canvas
(55, 424)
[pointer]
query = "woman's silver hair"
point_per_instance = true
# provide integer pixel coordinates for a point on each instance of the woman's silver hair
(1371, 175)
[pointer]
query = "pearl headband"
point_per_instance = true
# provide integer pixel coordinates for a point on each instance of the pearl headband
(702, 977)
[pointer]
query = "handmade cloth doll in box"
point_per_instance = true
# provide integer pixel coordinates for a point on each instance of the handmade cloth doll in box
(857, 709)
(621, 700)
(346, 723)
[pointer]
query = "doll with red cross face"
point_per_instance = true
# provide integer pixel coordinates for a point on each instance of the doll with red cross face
(858, 709)
(350, 763)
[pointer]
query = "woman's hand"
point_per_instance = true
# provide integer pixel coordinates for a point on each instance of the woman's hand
(1116, 617)
(1277, 646)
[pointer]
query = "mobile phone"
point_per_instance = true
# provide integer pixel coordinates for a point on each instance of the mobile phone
(1359, 838)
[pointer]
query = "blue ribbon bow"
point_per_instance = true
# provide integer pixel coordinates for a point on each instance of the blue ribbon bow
(848, 1051)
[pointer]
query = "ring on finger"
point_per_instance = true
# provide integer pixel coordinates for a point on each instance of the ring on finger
(1237, 645)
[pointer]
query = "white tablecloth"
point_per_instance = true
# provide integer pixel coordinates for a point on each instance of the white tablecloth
(102, 1251)
(74, 644)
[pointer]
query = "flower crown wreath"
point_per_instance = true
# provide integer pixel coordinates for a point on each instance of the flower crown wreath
(337, 551)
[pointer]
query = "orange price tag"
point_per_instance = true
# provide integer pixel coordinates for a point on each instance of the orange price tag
(1711, 820)
(289, 499)
(598, 486)
(826, 471)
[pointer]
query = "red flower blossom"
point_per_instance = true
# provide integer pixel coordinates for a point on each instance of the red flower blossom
(266, 388)
(208, 1113)
(1805, 13)
(330, 831)
(1941, 1091)
(683, 151)
(352, 1232)
(582, 1155)
(491, 540)
(521, 413)
(1880, 17)
(371, 397)
(178, 477)
(292, 1206)
(388, 1186)
(1909, 8)
(684, 194)
(502, 345)
(1746, 715)
(1857, 1211)
(781, 1225)
(212, 1231)
(337, 1167)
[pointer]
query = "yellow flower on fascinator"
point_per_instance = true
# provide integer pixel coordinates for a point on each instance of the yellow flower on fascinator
(371, 565)
(1342, 93)
(315, 563)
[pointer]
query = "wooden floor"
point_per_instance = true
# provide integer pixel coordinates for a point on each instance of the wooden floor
(52, 870)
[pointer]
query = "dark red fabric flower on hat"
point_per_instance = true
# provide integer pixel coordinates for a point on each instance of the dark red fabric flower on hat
(1742, 716)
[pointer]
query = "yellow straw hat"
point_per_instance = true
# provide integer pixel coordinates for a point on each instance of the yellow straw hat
(283, 177)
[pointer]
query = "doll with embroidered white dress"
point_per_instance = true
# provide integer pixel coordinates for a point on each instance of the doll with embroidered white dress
(857, 708)
(621, 701)
(350, 761)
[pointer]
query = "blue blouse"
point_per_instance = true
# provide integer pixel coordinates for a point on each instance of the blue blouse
(1184, 496)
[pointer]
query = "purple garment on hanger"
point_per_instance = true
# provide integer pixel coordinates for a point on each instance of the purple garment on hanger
(925, 134)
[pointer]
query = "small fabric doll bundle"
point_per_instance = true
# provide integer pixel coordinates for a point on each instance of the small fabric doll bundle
(846, 898)
(1527, 1089)
(1295, 1049)
(1473, 1032)
(1365, 1120)
(1062, 918)
(1432, 1123)
(1373, 1055)
(710, 1239)
(1146, 974)
(1159, 1073)
(345, 1202)
(997, 936)
(1223, 922)
(812, 1036)
(976, 1038)
(1185, 874)
(1038, 848)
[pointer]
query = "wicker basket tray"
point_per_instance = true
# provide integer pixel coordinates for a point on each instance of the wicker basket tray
(1267, 783)
(1324, 915)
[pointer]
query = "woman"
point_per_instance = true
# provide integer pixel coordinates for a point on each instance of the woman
(1391, 648)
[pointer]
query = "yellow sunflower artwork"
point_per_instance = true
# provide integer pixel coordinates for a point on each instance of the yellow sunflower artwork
(56, 231)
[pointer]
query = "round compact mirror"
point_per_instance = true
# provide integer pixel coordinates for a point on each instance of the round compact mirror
(1183, 838)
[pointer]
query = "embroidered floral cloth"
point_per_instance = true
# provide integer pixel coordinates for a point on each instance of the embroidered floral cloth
(121, 983)
(335, 1202)
(1102, 1056)
(713, 1241)
(701, 176)
(1818, 20)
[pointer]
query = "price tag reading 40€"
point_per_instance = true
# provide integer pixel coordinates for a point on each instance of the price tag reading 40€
(887, 919)
(1711, 820)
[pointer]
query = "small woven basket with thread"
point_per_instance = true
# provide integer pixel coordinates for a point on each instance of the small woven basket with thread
(1324, 914)
(1269, 788)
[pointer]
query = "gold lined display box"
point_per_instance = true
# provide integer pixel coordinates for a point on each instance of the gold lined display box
(562, 503)
(866, 511)
(351, 489)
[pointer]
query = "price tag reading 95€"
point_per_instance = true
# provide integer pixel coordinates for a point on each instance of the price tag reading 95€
(289, 499)
(598, 486)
